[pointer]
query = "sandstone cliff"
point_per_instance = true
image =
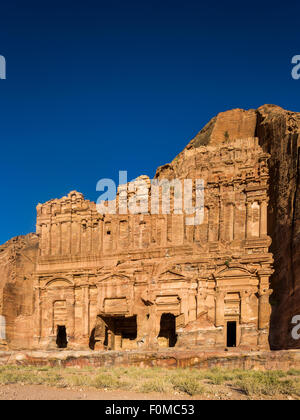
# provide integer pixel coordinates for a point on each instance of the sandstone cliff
(278, 132)
(17, 264)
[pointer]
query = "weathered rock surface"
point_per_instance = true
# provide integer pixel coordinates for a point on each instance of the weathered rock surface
(278, 131)
(17, 263)
(108, 279)
(279, 134)
(169, 358)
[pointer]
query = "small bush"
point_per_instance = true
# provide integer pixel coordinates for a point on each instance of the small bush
(106, 381)
(219, 376)
(79, 380)
(267, 383)
(189, 385)
(154, 385)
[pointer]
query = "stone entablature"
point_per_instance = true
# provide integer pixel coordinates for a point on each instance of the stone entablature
(236, 182)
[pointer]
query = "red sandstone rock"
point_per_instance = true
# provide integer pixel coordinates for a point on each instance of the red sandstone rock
(17, 265)
(278, 131)
(107, 281)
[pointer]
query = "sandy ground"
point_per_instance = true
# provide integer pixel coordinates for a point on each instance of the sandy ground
(41, 392)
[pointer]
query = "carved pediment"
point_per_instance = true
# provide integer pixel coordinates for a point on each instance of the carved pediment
(115, 278)
(233, 271)
(171, 275)
(59, 283)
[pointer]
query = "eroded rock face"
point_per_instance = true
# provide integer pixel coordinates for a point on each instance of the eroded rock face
(17, 265)
(233, 124)
(150, 281)
(278, 132)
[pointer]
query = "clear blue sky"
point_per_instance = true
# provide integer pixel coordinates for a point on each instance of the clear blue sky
(94, 87)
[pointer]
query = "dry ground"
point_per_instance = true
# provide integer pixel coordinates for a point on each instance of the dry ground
(46, 383)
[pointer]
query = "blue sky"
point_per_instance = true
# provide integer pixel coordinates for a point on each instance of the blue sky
(95, 87)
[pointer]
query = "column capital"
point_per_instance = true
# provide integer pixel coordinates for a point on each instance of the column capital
(264, 292)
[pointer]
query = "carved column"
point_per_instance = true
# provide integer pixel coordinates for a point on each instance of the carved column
(44, 242)
(89, 237)
(264, 309)
(244, 306)
(210, 210)
(69, 238)
(164, 229)
(220, 307)
(248, 220)
(100, 295)
(59, 225)
(230, 221)
(221, 222)
(185, 303)
(49, 320)
(100, 233)
(264, 313)
(79, 238)
(201, 296)
(71, 313)
(38, 313)
(49, 247)
(85, 310)
(263, 218)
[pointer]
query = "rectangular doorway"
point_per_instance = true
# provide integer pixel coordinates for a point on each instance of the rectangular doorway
(231, 334)
(61, 338)
(119, 332)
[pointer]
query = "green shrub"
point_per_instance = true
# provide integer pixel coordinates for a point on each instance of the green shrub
(79, 380)
(190, 386)
(268, 383)
(218, 376)
(106, 381)
(154, 385)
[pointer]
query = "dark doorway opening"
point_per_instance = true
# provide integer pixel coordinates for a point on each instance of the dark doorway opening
(92, 341)
(168, 328)
(127, 327)
(114, 332)
(61, 339)
(231, 334)
(106, 337)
